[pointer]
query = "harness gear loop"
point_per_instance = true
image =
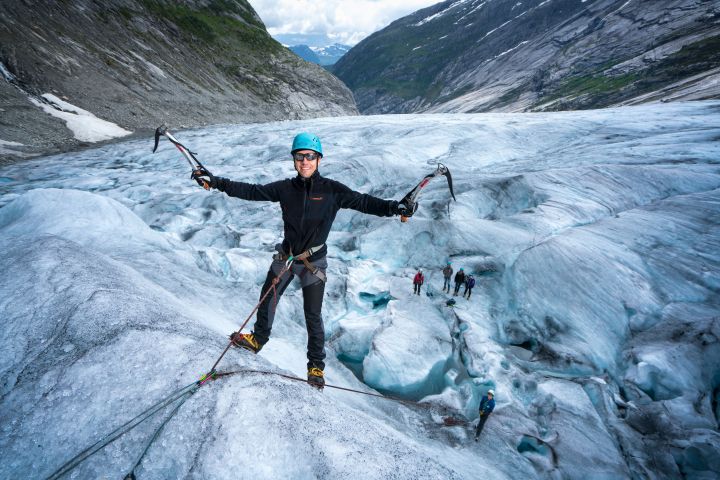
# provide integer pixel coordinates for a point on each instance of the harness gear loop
(303, 257)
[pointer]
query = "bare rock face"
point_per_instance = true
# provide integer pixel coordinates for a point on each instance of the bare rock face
(528, 55)
(140, 63)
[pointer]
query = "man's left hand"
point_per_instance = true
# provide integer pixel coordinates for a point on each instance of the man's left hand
(406, 209)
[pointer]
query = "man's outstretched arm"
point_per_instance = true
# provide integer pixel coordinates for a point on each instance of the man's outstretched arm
(362, 202)
(246, 191)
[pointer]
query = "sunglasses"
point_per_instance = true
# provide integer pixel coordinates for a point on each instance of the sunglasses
(299, 157)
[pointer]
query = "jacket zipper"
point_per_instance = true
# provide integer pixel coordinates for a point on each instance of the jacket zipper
(305, 203)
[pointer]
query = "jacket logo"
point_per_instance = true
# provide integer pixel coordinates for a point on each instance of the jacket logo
(316, 198)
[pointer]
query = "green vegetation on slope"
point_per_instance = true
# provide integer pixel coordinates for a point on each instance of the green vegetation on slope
(598, 89)
(216, 24)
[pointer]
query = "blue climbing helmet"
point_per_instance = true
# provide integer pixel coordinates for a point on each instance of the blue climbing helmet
(306, 141)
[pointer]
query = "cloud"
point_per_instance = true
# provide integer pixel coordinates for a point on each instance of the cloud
(343, 21)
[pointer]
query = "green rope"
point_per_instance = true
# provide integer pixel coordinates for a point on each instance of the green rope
(131, 475)
(126, 427)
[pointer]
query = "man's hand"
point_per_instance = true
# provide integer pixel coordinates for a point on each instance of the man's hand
(204, 178)
(406, 209)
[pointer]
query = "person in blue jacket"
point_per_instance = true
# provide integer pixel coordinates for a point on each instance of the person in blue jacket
(469, 284)
(487, 405)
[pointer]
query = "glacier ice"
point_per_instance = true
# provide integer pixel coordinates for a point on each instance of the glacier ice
(594, 237)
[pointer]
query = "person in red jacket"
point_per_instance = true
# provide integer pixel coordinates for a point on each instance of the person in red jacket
(418, 281)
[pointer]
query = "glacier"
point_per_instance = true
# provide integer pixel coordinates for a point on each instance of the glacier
(593, 236)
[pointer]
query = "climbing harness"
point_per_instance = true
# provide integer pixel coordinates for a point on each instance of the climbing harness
(410, 200)
(303, 257)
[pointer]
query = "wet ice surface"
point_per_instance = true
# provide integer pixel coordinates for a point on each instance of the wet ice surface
(594, 238)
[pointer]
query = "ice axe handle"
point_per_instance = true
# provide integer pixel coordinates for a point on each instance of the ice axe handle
(403, 218)
(201, 181)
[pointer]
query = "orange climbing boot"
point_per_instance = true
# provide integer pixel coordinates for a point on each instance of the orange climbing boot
(246, 341)
(316, 377)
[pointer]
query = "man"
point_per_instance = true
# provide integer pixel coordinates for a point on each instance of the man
(469, 284)
(459, 280)
(447, 273)
(487, 405)
(418, 281)
(309, 203)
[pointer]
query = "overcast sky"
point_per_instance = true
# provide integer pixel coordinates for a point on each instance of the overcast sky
(342, 21)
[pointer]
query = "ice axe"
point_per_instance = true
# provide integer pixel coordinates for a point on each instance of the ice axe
(410, 200)
(189, 156)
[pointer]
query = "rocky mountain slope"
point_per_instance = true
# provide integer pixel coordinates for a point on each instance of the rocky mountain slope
(138, 63)
(524, 55)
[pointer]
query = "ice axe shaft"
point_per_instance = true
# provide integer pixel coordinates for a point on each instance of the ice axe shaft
(189, 156)
(411, 198)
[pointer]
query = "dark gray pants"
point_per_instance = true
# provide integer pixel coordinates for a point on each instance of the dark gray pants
(481, 425)
(313, 290)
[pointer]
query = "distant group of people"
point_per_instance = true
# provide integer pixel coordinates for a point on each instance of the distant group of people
(487, 403)
(461, 279)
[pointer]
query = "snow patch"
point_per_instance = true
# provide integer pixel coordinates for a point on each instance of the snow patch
(85, 126)
(513, 48)
(440, 13)
(494, 30)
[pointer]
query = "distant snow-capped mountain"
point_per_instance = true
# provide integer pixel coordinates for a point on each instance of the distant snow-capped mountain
(326, 55)
(330, 54)
(304, 52)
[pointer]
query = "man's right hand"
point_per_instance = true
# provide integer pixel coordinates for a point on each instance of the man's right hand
(204, 178)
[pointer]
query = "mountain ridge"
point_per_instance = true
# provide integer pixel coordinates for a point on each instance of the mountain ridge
(505, 55)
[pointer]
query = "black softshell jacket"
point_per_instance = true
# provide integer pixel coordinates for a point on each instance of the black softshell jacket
(308, 207)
